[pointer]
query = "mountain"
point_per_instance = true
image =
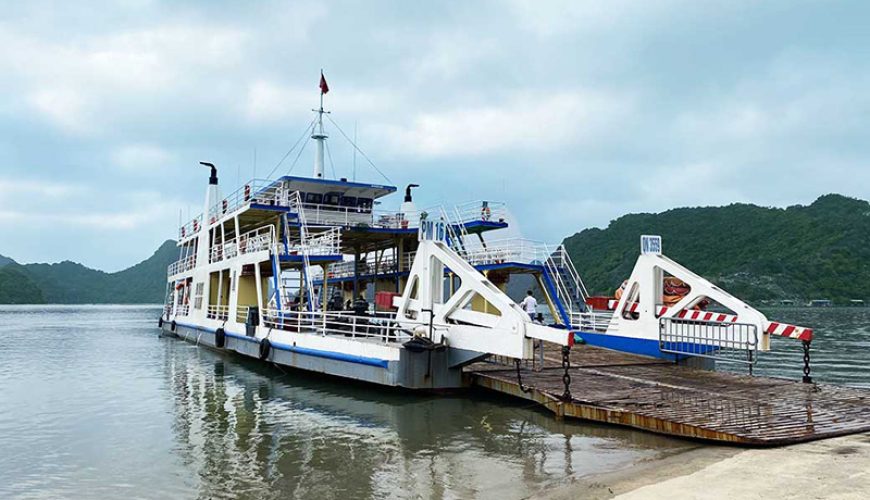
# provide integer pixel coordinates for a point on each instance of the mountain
(756, 253)
(72, 283)
(5, 260)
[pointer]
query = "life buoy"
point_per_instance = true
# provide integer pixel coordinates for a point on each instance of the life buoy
(220, 338)
(265, 349)
(195, 226)
(173, 325)
(224, 204)
(485, 213)
(247, 192)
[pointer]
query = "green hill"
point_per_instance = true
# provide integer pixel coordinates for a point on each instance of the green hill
(71, 283)
(757, 253)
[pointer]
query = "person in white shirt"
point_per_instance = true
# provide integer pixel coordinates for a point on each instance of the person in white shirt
(529, 304)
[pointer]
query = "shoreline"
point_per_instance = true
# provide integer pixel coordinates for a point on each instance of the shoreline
(829, 468)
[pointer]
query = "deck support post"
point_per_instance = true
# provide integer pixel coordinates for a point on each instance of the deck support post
(807, 378)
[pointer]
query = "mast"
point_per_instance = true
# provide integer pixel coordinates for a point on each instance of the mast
(319, 135)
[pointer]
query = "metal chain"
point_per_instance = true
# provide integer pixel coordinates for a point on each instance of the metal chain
(520, 378)
(566, 378)
(807, 379)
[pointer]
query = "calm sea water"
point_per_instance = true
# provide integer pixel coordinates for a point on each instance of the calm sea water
(94, 404)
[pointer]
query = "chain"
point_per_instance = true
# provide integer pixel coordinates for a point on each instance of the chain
(807, 379)
(520, 378)
(566, 378)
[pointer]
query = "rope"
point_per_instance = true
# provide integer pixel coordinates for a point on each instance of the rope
(301, 150)
(329, 155)
(359, 150)
(304, 133)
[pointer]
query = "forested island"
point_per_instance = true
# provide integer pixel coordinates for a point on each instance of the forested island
(758, 253)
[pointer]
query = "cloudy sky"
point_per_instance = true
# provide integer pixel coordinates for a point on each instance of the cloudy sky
(573, 112)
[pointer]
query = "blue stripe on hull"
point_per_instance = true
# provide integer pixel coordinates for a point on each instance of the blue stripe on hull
(317, 353)
(644, 347)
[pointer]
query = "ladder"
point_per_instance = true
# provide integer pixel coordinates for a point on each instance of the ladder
(567, 286)
(295, 203)
(456, 239)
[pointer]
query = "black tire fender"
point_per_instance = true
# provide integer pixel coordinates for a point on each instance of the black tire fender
(265, 349)
(173, 325)
(220, 338)
(160, 322)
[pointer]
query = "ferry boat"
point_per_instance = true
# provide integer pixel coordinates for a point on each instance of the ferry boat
(286, 270)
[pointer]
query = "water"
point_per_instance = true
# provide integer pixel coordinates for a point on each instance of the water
(839, 353)
(93, 404)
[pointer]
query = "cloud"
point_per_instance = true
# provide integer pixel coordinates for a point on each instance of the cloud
(143, 157)
(524, 121)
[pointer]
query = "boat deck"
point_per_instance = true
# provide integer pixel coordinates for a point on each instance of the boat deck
(659, 396)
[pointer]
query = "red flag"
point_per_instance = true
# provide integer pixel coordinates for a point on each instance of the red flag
(324, 88)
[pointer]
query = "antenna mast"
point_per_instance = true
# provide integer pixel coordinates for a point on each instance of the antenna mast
(319, 135)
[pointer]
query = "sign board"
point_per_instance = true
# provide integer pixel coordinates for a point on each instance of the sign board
(650, 244)
(432, 230)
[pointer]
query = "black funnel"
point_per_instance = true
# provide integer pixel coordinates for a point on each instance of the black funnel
(213, 178)
(408, 191)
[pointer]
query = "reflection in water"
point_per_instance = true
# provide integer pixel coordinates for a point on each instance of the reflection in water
(254, 431)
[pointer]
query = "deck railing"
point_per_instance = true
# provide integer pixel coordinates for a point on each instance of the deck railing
(381, 328)
(326, 242)
(182, 310)
(591, 321)
(729, 342)
(259, 191)
(255, 240)
(219, 312)
(181, 265)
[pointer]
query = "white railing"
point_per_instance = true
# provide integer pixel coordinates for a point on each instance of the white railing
(591, 321)
(259, 191)
(381, 327)
(181, 265)
(191, 228)
(519, 250)
(481, 210)
(242, 314)
(182, 310)
(219, 312)
(323, 243)
(255, 240)
(386, 265)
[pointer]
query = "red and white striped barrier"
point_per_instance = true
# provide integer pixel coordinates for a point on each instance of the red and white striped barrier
(790, 331)
(773, 328)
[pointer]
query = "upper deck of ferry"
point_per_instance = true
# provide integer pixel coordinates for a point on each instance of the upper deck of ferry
(327, 203)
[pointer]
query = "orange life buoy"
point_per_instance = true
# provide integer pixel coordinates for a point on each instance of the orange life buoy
(485, 213)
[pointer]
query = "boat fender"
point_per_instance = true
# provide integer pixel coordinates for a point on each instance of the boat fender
(220, 338)
(173, 325)
(265, 349)
(421, 344)
(160, 322)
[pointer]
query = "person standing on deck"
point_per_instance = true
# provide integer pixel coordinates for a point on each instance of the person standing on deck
(529, 304)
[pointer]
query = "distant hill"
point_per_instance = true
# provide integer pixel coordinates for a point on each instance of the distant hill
(71, 283)
(757, 253)
(5, 260)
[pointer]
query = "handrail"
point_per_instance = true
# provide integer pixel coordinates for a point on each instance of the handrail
(729, 342)
(181, 265)
(382, 327)
(255, 240)
(217, 311)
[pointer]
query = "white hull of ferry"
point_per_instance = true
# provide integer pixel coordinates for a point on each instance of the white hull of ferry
(382, 363)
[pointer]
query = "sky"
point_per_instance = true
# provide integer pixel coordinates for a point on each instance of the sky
(572, 112)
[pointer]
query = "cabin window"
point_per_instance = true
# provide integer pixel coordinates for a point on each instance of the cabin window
(348, 201)
(331, 199)
(197, 298)
(364, 203)
(314, 198)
